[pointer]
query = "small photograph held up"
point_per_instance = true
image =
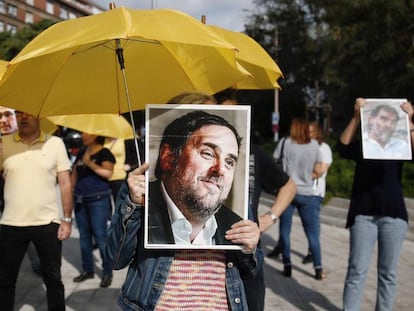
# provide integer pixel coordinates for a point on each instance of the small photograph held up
(198, 177)
(385, 130)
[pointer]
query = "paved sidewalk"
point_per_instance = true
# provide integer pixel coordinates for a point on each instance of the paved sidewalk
(301, 292)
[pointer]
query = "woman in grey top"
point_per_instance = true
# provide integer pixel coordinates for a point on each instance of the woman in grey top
(301, 158)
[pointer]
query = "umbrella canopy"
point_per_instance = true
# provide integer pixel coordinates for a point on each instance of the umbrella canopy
(73, 66)
(253, 57)
(108, 125)
(3, 67)
(45, 124)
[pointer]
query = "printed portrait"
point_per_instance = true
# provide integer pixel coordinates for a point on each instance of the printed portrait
(385, 130)
(197, 185)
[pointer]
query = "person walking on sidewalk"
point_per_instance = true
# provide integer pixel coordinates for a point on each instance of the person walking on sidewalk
(31, 209)
(301, 158)
(377, 214)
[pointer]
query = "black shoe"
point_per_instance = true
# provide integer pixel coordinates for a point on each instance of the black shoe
(106, 281)
(275, 252)
(84, 276)
(287, 271)
(319, 274)
(307, 259)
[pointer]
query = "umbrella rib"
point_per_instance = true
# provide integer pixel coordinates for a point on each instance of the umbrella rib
(105, 44)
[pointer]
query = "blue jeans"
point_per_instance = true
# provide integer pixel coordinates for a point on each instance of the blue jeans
(364, 234)
(13, 245)
(91, 215)
(308, 208)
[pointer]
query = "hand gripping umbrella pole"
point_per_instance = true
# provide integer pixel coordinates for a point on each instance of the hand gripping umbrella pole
(120, 55)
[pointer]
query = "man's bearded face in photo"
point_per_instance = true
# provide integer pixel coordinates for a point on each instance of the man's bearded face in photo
(204, 172)
(383, 126)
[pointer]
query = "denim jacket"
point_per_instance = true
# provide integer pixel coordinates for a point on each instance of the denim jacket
(148, 268)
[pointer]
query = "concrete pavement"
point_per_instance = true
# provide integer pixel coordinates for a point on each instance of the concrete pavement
(301, 292)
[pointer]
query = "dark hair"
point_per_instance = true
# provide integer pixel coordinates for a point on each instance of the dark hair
(100, 140)
(226, 94)
(176, 134)
(195, 98)
(386, 108)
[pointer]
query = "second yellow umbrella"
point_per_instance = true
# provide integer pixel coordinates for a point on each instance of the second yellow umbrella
(254, 58)
(108, 125)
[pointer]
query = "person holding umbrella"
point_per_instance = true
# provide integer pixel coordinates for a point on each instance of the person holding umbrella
(92, 194)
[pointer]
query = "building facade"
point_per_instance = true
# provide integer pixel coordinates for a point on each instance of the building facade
(16, 14)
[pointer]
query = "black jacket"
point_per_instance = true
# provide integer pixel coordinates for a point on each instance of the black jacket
(159, 225)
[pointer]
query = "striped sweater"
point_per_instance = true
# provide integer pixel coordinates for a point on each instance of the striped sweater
(196, 281)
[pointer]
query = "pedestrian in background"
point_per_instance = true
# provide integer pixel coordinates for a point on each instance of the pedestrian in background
(319, 183)
(301, 156)
(117, 147)
(8, 125)
(377, 215)
(92, 194)
(31, 209)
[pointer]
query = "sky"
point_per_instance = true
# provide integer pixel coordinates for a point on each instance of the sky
(229, 14)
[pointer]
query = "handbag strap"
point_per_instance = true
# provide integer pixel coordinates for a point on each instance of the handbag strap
(283, 147)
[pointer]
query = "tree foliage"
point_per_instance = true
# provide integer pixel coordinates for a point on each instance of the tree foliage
(282, 29)
(333, 51)
(371, 50)
(10, 45)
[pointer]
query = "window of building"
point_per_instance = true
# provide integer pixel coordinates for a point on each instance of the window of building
(49, 7)
(28, 18)
(12, 10)
(11, 28)
(2, 7)
(72, 15)
(63, 13)
(30, 2)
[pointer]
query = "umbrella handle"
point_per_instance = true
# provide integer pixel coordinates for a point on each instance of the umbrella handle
(121, 60)
(120, 54)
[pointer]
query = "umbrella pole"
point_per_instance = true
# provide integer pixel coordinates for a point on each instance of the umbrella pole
(120, 54)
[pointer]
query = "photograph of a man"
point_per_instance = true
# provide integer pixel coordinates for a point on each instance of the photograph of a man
(385, 130)
(8, 121)
(197, 156)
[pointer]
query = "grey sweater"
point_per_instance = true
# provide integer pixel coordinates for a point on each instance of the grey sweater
(298, 162)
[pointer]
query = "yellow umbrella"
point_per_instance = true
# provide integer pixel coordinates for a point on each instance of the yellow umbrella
(45, 124)
(108, 125)
(118, 61)
(3, 67)
(253, 57)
